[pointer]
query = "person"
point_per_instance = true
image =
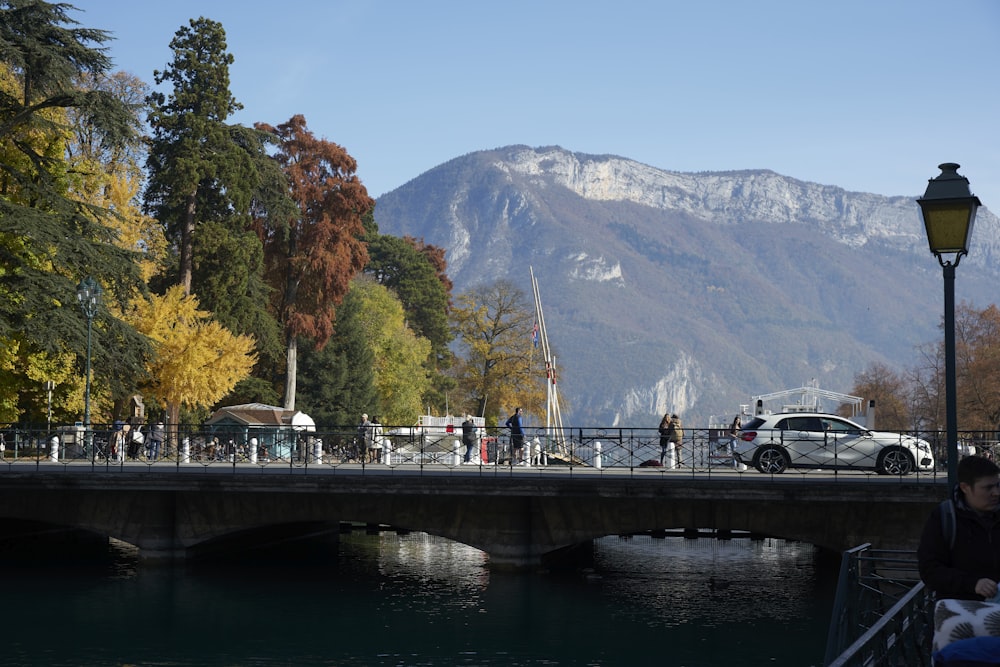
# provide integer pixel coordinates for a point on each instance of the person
(734, 437)
(120, 440)
(516, 438)
(375, 437)
(469, 437)
(959, 556)
(364, 435)
(665, 445)
(676, 435)
(155, 441)
(134, 442)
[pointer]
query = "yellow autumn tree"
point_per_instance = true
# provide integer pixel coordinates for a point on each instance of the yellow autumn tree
(196, 361)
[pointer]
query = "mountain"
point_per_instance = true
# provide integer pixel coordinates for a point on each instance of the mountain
(690, 292)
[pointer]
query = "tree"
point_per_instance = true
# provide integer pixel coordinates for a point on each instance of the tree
(888, 389)
(50, 235)
(415, 272)
(198, 166)
(498, 369)
(398, 353)
(337, 381)
(977, 363)
(205, 179)
(197, 361)
(313, 255)
(405, 266)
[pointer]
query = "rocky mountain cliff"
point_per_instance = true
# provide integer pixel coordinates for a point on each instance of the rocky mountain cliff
(690, 292)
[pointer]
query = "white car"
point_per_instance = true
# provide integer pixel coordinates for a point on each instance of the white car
(774, 443)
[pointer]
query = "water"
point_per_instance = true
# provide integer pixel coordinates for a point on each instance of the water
(388, 599)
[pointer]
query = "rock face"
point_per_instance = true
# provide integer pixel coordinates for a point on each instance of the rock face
(690, 292)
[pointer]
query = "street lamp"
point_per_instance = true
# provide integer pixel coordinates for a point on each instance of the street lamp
(949, 211)
(88, 293)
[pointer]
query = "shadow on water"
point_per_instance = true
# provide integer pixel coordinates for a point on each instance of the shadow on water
(388, 599)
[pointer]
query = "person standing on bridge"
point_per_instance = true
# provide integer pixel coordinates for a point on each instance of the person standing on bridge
(516, 438)
(670, 440)
(959, 552)
(469, 437)
(364, 438)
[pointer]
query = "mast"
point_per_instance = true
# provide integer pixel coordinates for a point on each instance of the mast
(553, 413)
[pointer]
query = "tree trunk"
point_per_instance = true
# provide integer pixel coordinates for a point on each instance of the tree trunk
(290, 372)
(187, 242)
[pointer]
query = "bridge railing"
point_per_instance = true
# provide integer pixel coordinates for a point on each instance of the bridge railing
(882, 611)
(702, 450)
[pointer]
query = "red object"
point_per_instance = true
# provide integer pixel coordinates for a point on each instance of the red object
(484, 455)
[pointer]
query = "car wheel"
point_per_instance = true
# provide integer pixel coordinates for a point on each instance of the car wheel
(771, 460)
(895, 461)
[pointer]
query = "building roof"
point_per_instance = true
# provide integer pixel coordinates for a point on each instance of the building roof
(259, 415)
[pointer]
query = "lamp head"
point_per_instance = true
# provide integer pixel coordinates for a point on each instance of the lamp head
(949, 211)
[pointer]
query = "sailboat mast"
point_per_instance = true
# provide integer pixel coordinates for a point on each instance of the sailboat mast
(553, 415)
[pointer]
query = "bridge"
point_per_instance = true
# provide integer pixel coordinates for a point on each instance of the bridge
(521, 517)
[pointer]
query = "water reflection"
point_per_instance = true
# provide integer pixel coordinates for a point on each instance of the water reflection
(389, 599)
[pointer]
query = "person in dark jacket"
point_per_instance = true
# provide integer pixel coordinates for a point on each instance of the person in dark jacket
(469, 437)
(965, 565)
(516, 438)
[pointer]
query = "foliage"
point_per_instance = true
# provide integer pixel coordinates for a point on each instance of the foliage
(500, 369)
(313, 254)
(337, 382)
(916, 400)
(197, 360)
(416, 273)
(51, 234)
(205, 179)
(398, 353)
(888, 389)
(405, 266)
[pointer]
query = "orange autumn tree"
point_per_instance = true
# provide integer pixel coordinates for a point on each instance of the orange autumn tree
(311, 257)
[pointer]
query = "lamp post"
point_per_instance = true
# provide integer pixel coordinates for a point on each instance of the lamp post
(88, 293)
(949, 211)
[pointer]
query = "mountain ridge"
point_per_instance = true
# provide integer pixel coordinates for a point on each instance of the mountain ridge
(700, 289)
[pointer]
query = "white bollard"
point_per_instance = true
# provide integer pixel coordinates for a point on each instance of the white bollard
(186, 450)
(597, 454)
(671, 456)
(386, 451)
(54, 449)
(253, 450)
(456, 458)
(318, 451)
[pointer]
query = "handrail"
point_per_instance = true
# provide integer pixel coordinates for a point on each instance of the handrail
(898, 638)
(869, 580)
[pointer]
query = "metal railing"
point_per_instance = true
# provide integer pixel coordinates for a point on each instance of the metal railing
(702, 451)
(882, 613)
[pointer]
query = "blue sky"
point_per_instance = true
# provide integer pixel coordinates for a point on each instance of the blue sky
(868, 95)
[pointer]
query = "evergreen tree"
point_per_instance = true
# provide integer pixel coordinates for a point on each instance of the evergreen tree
(337, 381)
(50, 238)
(205, 179)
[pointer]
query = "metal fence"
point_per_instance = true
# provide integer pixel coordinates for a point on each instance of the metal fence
(882, 613)
(702, 450)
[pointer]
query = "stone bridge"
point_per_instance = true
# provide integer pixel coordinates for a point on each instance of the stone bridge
(520, 519)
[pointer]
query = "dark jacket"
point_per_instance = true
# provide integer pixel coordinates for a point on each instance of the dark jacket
(469, 432)
(952, 572)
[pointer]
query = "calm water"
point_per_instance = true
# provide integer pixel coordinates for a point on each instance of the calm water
(388, 599)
